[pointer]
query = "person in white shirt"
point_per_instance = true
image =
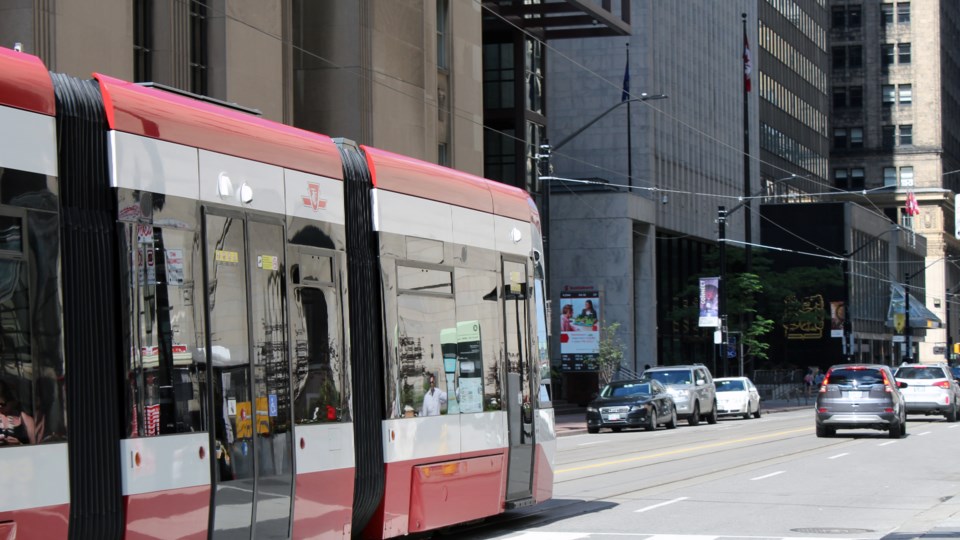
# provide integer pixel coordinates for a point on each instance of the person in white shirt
(433, 400)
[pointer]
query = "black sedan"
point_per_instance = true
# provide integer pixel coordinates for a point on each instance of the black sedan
(632, 404)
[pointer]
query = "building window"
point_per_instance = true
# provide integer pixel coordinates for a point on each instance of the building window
(903, 53)
(443, 158)
(846, 17)
(142, 40)
(856, 137)
(886, 14)
(888, 135)
(855, 57)
(906, 94)
(198, 47)
(498, 76)
(855, 97)
(906, 135)
(534, 73)
(443, 7)
(886, 56)
(500, 156)
(839, 98)
(889, 176)
(889, 95)
(903, 13)
(839, 58)
(906, 176)
(840, 138)
(840, 178)
(856, 178)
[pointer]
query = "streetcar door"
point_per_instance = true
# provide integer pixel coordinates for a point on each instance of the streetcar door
(518, 396)
(250, 379)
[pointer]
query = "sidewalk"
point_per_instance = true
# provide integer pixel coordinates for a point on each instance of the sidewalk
(575, 423)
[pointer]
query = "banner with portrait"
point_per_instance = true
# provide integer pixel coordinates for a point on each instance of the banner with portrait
(579, 330)
(710, 302)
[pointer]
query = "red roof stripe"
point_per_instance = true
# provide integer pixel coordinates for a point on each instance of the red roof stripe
(26, 83)
(154, 113)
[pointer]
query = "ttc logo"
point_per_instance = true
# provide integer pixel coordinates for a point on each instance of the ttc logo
(313, 200)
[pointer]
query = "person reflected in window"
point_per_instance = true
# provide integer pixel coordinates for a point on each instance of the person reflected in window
(16, 426)
(566, 319)
(433, 399)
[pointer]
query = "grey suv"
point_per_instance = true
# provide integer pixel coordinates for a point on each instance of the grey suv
(692, 389)
(855, 396)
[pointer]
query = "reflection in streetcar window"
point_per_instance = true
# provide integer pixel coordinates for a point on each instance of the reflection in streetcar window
(318, 392)
(31, 361)
(166, 329)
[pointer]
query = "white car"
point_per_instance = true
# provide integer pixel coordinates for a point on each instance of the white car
(737, 396)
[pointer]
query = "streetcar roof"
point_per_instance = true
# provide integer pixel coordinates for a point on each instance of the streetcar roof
(154, 113)
(25, 83)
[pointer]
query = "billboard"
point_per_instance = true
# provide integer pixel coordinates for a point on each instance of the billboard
(579, 330)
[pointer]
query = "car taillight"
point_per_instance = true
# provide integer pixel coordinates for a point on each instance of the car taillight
(823, 385)
(886, 383)
(942, 384)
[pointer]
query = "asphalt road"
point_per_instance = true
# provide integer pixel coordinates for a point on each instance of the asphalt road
(767, 478)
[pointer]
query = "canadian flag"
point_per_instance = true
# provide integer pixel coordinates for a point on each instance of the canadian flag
(912, 208)
(747, 64)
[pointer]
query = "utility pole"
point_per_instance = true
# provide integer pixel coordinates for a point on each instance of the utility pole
(722, 298)
(908, 356)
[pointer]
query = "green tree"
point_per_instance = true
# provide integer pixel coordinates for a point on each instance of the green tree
(611, 353)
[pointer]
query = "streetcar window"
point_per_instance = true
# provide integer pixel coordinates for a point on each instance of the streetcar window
(545, 394)
(424, 321)
(424, 280)
(476, 336)
(318, 390)
(315, 268)
(31, 362)
(166, 329)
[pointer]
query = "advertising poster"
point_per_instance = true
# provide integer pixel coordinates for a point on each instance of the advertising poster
(579, 330)
(838, 315)
(709, 302)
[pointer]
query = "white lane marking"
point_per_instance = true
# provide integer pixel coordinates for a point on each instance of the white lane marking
(590, 443)
(886, 443)
(923, 433)
(839, 455)
(658, 505)
(953, 426)
(537, 535)
(768, 475)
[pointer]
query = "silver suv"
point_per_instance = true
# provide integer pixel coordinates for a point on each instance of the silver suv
(932, 390)
(861, 396)
(692, 389)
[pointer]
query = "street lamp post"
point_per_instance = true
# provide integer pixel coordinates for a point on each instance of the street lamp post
(908, 356)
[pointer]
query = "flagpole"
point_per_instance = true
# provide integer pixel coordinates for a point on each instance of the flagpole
(748, 215)
(626, 89)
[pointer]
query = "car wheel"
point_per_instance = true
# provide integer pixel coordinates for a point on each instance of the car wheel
(824, 431)
(757, 414)
(695, 415)
(593, 430)
(952, 415)
(712, 419)
(897, 430)
(672, 423)
(746, 415)
(652, 424)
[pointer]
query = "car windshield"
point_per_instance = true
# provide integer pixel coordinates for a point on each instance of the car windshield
(920, 372)
(729, 386)
(855, 377)
(623, 390)
(672, 376)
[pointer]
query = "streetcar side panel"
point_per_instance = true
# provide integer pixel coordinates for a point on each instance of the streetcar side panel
(33, 450)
